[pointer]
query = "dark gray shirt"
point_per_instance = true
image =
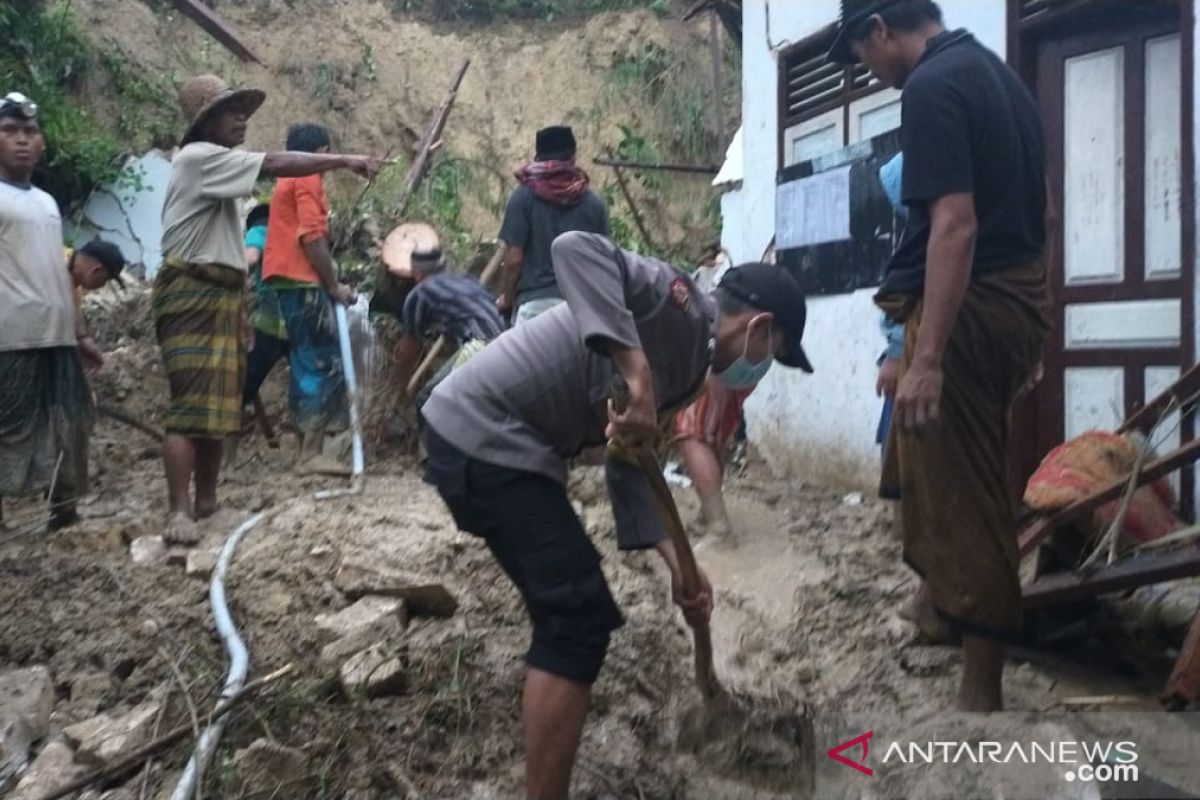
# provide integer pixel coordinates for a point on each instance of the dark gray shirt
(533, 225)
(538, 395)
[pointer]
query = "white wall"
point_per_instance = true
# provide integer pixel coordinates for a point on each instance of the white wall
(128, 212)
(819, 427)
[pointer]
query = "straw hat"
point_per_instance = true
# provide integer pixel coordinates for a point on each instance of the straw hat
(201, 96)
(403, 241)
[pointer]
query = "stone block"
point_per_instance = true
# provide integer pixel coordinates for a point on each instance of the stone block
(201, 563)
(365, 613)
(389, 628)
(26, 701)
(374, 672)
(52, 768)
(267, 767)
(103, 739)
(148, 551)
(424, 598)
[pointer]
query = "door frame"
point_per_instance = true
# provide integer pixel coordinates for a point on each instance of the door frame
(1038, 423)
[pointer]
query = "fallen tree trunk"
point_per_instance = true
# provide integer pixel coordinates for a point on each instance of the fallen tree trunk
(430, 141)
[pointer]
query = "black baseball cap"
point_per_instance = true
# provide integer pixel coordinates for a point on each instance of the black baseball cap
(854, 14)
(109, 256)
(774, 289)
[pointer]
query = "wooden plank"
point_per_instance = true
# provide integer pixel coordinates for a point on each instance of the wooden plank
(1043, 526)
(1069, 587)
(217, 28)
(430, 140)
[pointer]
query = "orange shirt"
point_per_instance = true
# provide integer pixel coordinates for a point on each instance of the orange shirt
(299, 214)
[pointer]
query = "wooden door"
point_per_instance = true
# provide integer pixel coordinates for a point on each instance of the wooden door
(1112, 98)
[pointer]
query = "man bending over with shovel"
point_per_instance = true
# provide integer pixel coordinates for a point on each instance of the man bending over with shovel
(501, 428)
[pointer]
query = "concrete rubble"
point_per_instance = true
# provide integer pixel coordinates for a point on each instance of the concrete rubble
(201, 563)
(53, 767)
(374, 672)
(265, 767)
(425, 598)
(387, 628)
(148, 551)
(369, 611)
(26, 701)
(103, 739)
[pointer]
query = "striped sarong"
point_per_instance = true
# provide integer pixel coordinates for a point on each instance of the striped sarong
(198, 319)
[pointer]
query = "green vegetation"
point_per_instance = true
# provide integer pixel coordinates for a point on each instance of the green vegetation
(547, 10)
(44, 54)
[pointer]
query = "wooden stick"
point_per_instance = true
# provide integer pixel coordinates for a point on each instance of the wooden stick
(1066, 587)
(1183, 687)
(493, 266)
(633, 208)
(706, 678)
(429, 141)
(422, 372)
(216, 27)
(122, 416)
(179, 734)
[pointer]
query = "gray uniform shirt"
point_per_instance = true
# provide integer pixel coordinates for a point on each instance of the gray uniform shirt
(538, 395)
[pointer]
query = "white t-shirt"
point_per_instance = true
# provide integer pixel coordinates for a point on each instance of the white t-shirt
(37, 304)
(202, 223)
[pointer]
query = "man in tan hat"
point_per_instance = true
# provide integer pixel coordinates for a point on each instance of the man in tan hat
(199, 290)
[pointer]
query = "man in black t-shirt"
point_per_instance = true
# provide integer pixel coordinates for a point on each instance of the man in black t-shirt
(553, 198)
(968, 278)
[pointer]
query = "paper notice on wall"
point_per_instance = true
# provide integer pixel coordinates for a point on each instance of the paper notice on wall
(813, 210)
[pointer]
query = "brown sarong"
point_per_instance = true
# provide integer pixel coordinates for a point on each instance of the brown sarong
(951, 477)
(198, 321)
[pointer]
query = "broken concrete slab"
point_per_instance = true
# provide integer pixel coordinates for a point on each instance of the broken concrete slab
(26, 701)
(425, 598)
(265, 767)
(53, 767)
(148, 551)
(201, 563)
(374, 672)
(367, 612)
(104, 738)
(389, 629)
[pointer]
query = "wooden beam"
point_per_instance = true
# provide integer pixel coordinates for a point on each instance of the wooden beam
(1180, 394)
(430, 140)
(217, 28)
(1067, 587)
(1183, 687)
(1040, 529)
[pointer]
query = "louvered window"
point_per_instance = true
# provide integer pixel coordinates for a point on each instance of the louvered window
(811, 85)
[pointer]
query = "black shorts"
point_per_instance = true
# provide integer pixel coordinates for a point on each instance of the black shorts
(532, 530)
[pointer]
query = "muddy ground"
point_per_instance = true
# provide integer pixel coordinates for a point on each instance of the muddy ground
(805, 621)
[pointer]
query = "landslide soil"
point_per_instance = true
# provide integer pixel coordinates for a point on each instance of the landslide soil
(805, 621)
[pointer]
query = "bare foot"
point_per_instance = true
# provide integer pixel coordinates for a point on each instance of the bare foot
(181, 529)
(323, 465)
(920, 611)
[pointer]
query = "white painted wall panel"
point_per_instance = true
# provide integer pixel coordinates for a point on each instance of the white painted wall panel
(1167, 437)
(874, 115)
(1094, 399)
(1164, 179)
(814, 137)
(1094, 193)
(130, 217)
(1132, 323)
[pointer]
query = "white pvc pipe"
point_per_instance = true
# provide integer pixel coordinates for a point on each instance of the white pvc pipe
(239, 664)
(356, 454)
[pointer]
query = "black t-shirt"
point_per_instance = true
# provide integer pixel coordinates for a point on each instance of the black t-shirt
(534, 224)
(969, 124)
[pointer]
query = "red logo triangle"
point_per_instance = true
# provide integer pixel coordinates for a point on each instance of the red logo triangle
(862, 741)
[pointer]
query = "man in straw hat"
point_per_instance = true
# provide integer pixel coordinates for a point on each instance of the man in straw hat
(443, 303)
(199, 291)
(968, 278)
(502, 427)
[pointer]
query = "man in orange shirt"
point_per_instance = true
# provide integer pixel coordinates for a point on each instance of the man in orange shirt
(298, 265)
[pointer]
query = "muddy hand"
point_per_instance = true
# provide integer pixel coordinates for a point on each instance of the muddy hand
(632, 414)
(696, 610)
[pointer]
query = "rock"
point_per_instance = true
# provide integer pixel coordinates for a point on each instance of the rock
(367, 612)
(201, 563)
(26, 700)
(53, 767)
(387, 628)
(148, 551)
(375, 672)
(104, 738)
(265, 767)
(424, 598)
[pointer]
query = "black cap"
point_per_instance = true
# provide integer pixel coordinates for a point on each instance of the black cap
(258, 215)
(109, 256)
(557, 141)
(854, 14)
(771, 288)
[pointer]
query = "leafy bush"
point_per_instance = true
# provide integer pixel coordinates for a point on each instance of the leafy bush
(44, 55)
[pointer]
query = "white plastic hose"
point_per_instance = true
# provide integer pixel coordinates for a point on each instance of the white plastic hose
(239, 665)
(356, 453)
